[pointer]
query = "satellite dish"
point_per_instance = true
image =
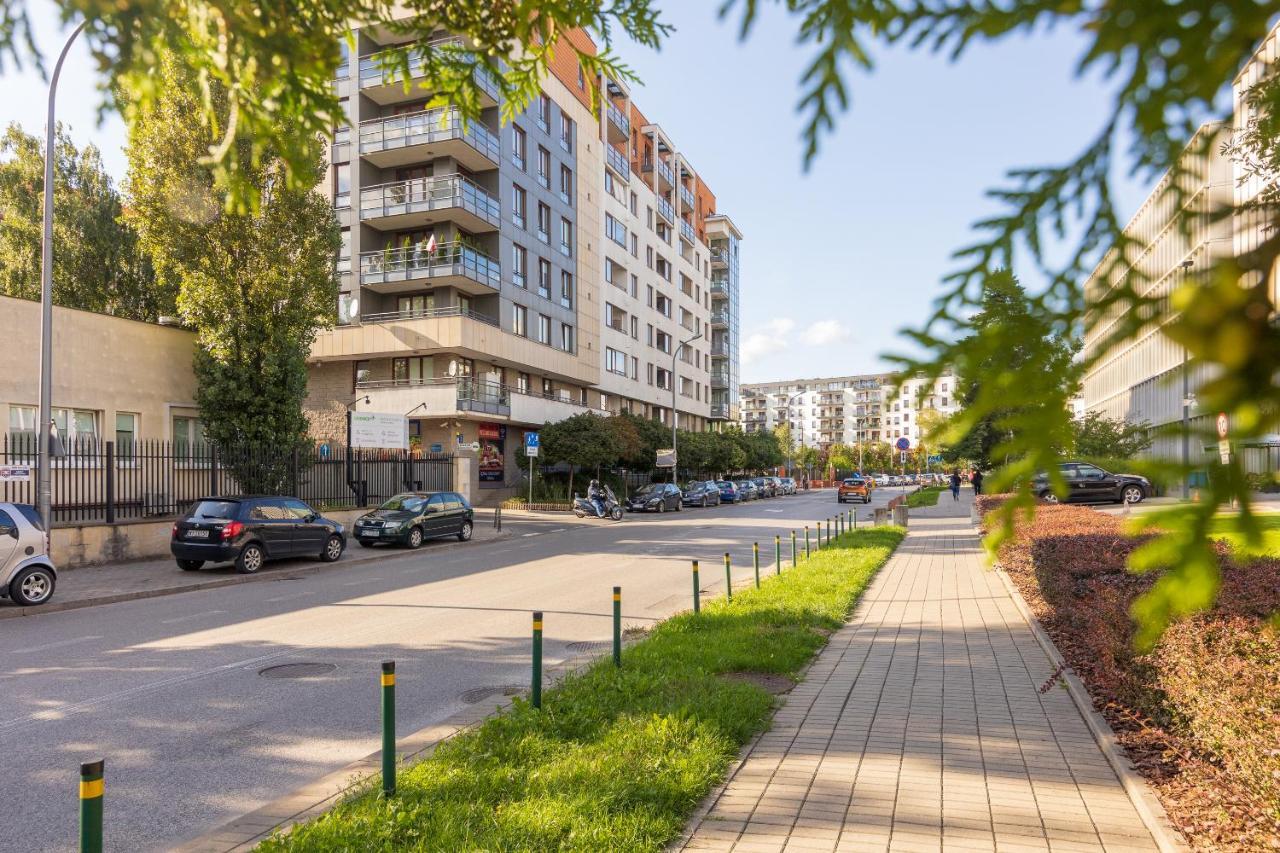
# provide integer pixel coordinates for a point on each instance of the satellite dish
(453, 367)
(353, 308)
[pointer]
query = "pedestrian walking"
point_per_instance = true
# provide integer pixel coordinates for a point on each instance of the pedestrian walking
(976, 479)
(955, 485)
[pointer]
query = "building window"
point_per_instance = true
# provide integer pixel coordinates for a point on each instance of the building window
(635, 286)
(635, 247)
(648, 256)
(544, 113)
(519, 264)
(22, 426)
(566, 184)
(635, 327)
(544, 223)
(360, 374)
(566, 289)
(615, 361)
(412, 370)
(544, 329)
(188, 437)
(566, 237)
(344, 251)
(518, 205)
(519, 146)
(544, 278)
(520, 320)
(126, 434)
(522, 383)
(544, 167)
(342, 185)
(615, 230)
(566, 338)
(566, 132)
(582, 78)
(635, 202)
(615, 318)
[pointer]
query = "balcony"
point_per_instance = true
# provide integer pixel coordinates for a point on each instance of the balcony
(409, 268)
(719, 257)
(386, 79)
(719, 379)
(687, 233)
(421, 136)
(664, 173)
(720, 319)
(721, 349)
(719, 411)
(686, 197)
(427, 201)
(460, 396)
(619, 125)
(616, 160)
(719, 287)
(665, 211)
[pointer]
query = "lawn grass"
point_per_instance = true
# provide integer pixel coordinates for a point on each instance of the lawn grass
(616, 759)
(1270, 524)
(927, 496)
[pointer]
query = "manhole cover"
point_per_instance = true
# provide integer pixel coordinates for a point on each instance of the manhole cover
(297, 670)
(479, 694)
(590, 646)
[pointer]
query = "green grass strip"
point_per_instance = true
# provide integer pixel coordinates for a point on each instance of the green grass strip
(928, 496)
(1224, 528)
(616, 759)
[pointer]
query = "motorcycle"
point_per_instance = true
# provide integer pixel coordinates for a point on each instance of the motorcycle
(582, 507)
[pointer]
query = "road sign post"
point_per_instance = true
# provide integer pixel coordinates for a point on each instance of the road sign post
(532, 443)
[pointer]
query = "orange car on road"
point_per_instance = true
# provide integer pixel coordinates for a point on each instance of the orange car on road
(853, 489)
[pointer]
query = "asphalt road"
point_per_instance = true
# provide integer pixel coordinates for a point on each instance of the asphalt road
(171, 691)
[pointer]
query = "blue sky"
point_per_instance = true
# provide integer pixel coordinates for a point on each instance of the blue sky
(837, 260)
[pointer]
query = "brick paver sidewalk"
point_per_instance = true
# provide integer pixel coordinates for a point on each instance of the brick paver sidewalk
(921, 727)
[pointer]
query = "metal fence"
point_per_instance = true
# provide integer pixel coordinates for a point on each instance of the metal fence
(110, 481)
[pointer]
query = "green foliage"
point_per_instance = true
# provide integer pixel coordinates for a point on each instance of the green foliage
(927, 496)
(253, 286)
(1096, 436)
(565, 777)
(276, 67)
(96, 262)
(585, 441)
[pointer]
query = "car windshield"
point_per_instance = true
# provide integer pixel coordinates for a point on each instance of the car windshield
(724, 484)
(646, 490)
(853, 481)
(695, 487)
(407, 503)
(215, 509)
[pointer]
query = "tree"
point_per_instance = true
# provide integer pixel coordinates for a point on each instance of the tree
(640, 443)
(586, 440)
(96, 263)
(1099, 437)
(254, 286)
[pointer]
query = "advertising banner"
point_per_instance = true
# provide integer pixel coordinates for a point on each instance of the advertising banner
(493, 459)
(379, 430)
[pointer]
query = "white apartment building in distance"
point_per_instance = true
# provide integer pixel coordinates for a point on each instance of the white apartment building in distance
(862, 409)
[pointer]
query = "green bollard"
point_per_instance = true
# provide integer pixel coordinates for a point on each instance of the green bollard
(793, 549)
(91, 784)
(777, 554)
(728, 578)
(617, 626)
(853, 513)
(697, 603)
(806, 541)
(828, 533)
(388, 728)
(755, 557)
(537, 659)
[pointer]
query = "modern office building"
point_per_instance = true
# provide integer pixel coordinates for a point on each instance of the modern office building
(862, 409)
(498, 276)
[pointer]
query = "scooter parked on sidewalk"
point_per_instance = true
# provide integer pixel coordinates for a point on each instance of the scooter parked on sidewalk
(607, 508)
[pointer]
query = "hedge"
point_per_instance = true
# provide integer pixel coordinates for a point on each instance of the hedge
(1200, 715)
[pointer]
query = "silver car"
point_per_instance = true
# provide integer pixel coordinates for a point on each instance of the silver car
(27, 574)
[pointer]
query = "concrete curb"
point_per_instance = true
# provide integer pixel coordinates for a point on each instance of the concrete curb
(11, 612)
(315, 798)
(1148, 806)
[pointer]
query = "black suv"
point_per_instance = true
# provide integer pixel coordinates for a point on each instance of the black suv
(251, 530)
(1089, 483)
(655, 497)
(409, 518)
(702, 493)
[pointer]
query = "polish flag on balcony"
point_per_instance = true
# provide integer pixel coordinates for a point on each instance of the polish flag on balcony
(431, 245)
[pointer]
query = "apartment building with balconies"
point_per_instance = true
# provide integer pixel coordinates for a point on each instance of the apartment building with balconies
(469, 272)
(723, 237)
(858, 409)
(660, 321)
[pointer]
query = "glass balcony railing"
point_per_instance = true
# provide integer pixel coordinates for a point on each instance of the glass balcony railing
(687, 232)
(664, 171)
(687, 197)
(719, 287)
(427, 313)
(721, 349)
(425, 194)
(665, 210)
(490, 398)
(407, 263)
(719, 318)
(383, 67)
(719, 410)
(617, 161)
(619, 120)
(426, 128)
(719, 256)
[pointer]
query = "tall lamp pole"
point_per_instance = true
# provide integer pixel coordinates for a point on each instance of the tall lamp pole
(791, 442)
(675, 354)
(1186, 411)
(44, 489)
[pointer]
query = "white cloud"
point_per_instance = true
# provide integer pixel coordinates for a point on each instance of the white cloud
(825, 332)
(771, 340)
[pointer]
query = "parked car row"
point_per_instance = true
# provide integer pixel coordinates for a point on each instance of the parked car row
(666, 497)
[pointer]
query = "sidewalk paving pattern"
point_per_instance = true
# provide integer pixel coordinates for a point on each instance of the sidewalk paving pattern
(921, 727)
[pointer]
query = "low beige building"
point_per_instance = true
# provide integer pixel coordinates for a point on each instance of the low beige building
(113, 379)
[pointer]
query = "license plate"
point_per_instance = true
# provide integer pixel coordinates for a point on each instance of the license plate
(197, 534)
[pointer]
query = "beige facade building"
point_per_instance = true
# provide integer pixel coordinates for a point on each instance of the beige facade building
(113, 379)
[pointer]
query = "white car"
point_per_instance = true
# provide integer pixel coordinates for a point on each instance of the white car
(27, 575)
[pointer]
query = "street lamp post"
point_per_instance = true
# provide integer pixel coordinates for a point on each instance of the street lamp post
(44, 488)
(675, 353)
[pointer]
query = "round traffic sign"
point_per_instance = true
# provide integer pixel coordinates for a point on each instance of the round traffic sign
(903, 443)
(1223, 424)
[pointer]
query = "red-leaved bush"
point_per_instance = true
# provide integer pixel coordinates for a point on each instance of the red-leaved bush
(1200, 714)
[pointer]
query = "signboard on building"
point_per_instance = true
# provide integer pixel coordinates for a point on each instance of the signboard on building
(493, 458)
(379, 430)
(666, 458)
(15, 474)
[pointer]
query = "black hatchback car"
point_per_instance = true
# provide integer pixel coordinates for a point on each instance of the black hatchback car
(252, 529)
(1089, 483)
(655, 497)
(412, 517)
(703, 493)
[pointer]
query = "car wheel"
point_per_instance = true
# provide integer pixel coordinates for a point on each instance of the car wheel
(32, 586)
(464, 533)
(1133, 494)
(190, 565)
(662, 506)
(680, 506)
(704, 502)
(251, 559)
(332, 549)
(867, 499)
(1048, 497)
(415, 537)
